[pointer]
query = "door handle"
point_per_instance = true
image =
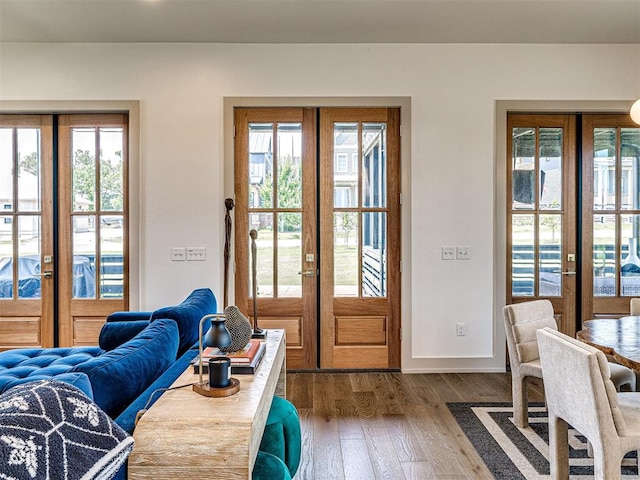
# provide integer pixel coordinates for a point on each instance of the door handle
(570, 272)
(308, 273)
(47, 274)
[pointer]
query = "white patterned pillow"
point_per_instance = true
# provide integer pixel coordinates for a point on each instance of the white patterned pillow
(51, 430)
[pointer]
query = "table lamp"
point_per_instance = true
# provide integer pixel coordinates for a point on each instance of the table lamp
(216, 336)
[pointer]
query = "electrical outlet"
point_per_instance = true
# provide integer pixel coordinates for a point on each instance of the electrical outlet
(463, 253)
(178, 254)
(461, 329)
(197, 254)
(448, 253)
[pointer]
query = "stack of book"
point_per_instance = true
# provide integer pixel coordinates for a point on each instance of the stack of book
(245, 360)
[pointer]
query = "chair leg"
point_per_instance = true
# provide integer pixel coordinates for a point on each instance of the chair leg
(606, 463)
(558, 448)
(520, 401)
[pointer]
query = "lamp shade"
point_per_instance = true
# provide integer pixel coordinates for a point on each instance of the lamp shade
(217, 335)
(635, 111)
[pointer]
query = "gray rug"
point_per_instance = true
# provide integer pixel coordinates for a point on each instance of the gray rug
(513, 453)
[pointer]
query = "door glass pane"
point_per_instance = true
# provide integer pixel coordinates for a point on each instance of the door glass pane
(604, 255)
(28, 169)
(6, 257)
(629, 261)
(111, 169)
(522, 255)
(604, 168)
(345, 254)
(630, 181)
(260, 165)
(523, 163)
(374, 254)
(29, 256)
(550, 174)
(345, 169)
(374, 167)
(289, 150)
(83, 146)
(289, 254)
(84, 256)
(550, 255)
(111, 256)
(263, 224)
(6, 167)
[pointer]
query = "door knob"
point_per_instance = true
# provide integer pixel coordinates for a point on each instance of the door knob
(308, 273)
(47, 274)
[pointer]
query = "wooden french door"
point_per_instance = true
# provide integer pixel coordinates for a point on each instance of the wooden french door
(611, 215)
(26, 231)
(541, 213)
(328, 231)
(593, 271)
(61, 243)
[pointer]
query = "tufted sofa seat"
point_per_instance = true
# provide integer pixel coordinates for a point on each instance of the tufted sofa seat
(28, 365)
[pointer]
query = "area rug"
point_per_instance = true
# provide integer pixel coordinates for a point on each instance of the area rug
(511, 453)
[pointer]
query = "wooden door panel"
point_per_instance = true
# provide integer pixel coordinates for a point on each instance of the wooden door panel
(541, 213)
(610, 214)
(360, 190)
(257, 163)
(26, 231)
(93, 228)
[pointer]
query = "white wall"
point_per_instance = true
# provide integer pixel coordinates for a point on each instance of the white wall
(449, 194)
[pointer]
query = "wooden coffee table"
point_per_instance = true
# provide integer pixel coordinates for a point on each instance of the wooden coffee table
(619, 337)
(185, 435)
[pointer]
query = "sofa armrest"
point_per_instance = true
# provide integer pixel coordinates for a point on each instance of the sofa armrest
(128, 316)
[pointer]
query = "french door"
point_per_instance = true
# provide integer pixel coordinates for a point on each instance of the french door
(541, 216)
(63, 244)
(573, 218)
(320, 190)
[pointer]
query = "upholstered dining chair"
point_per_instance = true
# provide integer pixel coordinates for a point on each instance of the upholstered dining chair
(522, 320)
(635, 306)
(579, 392)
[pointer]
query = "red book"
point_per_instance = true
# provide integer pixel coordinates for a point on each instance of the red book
(244, 355)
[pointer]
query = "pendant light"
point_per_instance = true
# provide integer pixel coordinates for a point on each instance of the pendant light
(635, 111)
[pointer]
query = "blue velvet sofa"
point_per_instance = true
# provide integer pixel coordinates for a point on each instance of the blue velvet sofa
(139, 354)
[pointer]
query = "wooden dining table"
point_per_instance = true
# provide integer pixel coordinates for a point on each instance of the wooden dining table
(619, 337)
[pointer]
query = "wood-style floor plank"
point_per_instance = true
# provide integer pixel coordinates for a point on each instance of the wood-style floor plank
(383, 425)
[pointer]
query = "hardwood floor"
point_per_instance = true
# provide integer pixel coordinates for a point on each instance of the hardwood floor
(366, 426)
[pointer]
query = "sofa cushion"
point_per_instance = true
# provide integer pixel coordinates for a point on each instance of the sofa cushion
(26, 364)
(77, 379)
(114, 334)
(188, 314)
(119, 376)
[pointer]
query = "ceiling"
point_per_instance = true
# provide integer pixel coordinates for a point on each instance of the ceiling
(321, 21)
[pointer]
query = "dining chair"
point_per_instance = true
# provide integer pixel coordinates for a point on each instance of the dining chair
(635, 306)
(579, 392)
(522, 320)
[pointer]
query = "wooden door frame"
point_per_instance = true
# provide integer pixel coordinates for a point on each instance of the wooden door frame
(404, 103)
(502, 107)
(132, 109)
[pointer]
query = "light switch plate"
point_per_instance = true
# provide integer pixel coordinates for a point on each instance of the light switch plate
(448, 253)
(463, 253)
(196, 254)
(178, 254)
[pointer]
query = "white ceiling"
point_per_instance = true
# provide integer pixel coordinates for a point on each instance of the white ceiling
(321, 21)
